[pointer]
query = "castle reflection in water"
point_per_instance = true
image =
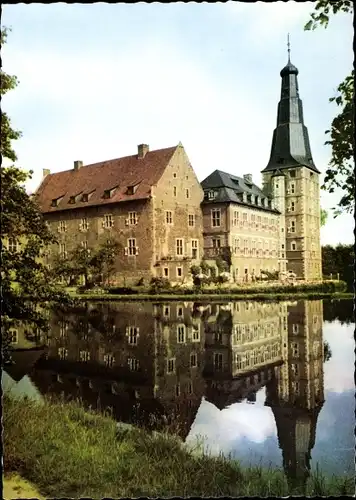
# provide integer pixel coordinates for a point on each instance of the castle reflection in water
(143, 359)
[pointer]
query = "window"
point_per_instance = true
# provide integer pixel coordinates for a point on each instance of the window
(174, 191)
(108, 221)
(132, 334)
(84, 355)
(171, 365)
(169, 217)
(293, 245)
(292, 188)
(236, 245)
(193, 360)
(218, 360)
(166, 272)
(166, 310)
(295, 328)
(292, 206)
(187, 194)
(181, 334)
(253, 249)
(211, 195)
(295, 349)
(179, 246)
(196, 333)
(216, 242)
(62, 228)
(84, 244)
(195, 249)
(190, 388)
(179, 311)
(177, 390)
(62, 353)
(133, 364)
(292, 226)
(83, 226)
(191, 220)
(236, 218)
(109, 359)
(215, 217)
(12, 245)
(132, 248)
(14, 338)
(132, 218)
(179, 272)
(62, 250)
(245, 247)
(174, 175)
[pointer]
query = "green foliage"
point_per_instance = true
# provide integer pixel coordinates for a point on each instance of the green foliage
(195, 270)
(340, 173)
(204, 266)
(339, 260)
(327, 351)
(26, 284)
(323, 217)
(158, 284)
(270, 276)
(96, 266)
(70, 452)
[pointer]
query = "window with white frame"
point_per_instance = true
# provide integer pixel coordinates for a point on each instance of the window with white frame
(179, 246)
(181, 334)
(14, 337)
(196, 333)
(253, 247)
(62, 353)
(292, 188)
(292, 206)
(216, 242)
(171, 365)
(84, 224)
(218, 360)
(191, 220)
(179, 271)
(132, 334)
(12, 245)
(211, 195)
(169, 217)
(235, 218)
(295, 328)
(62, 250)
(195, 249)
(193, 360)
(236, 245)
(84, 355)
(108, 221)
(216, 217)
(166, 311)
(132, 218)
(134, 364)
(166, 272)
(295, 349)
(179, 311)
(84, 244)
(109, 359)
(292, 226)
(131, 245)
(62, 228)
(245, 247)
(293, 245)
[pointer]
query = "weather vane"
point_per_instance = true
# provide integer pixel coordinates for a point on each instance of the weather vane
(288, 45)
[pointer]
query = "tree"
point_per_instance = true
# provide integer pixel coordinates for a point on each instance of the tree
(96, 266)
(340, 173)
(26, 282)
(323, 217)
(327, 351)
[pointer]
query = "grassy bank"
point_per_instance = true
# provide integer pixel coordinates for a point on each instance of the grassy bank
(69, 452)
(164, 297)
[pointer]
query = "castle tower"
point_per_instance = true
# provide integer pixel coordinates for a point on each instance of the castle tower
(297, 395)
(299, 186)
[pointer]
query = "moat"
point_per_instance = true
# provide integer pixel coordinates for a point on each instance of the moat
(267, 383)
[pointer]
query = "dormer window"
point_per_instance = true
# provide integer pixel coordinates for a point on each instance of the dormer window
(87, 196)
(56, 201)
(244, 197)
(108, 193)
(132, 189)
(72, 200)
(211, 195)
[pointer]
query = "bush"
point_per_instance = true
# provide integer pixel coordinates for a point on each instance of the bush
(141, 282)
(121, 290)
(158, 284)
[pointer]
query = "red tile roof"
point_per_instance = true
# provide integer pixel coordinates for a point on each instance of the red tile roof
(98, 177)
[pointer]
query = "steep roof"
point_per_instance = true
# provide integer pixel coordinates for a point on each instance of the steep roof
(97, 178)
(229, 189)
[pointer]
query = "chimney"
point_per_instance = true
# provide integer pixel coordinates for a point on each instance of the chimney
(46, 171)
(142, 150)
(78, 164)
(248, 178)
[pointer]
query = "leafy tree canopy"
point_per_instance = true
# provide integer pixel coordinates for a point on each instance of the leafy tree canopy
(25, 282)
(340, 172)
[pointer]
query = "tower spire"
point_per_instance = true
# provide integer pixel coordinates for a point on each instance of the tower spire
(290, 143)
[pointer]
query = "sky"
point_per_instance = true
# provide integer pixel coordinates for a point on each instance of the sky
(96, 80)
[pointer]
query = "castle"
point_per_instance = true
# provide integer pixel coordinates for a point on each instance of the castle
(165, 220)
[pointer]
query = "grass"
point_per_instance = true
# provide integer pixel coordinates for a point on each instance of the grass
(164, 297)
(66, 451)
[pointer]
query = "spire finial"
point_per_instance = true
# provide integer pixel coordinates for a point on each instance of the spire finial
(288, 45)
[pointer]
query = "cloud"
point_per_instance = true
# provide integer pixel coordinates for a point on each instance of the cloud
(339, 370)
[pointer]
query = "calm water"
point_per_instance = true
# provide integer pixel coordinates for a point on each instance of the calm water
(249, 379)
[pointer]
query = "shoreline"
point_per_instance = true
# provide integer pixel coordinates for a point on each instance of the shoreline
(202, 297)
